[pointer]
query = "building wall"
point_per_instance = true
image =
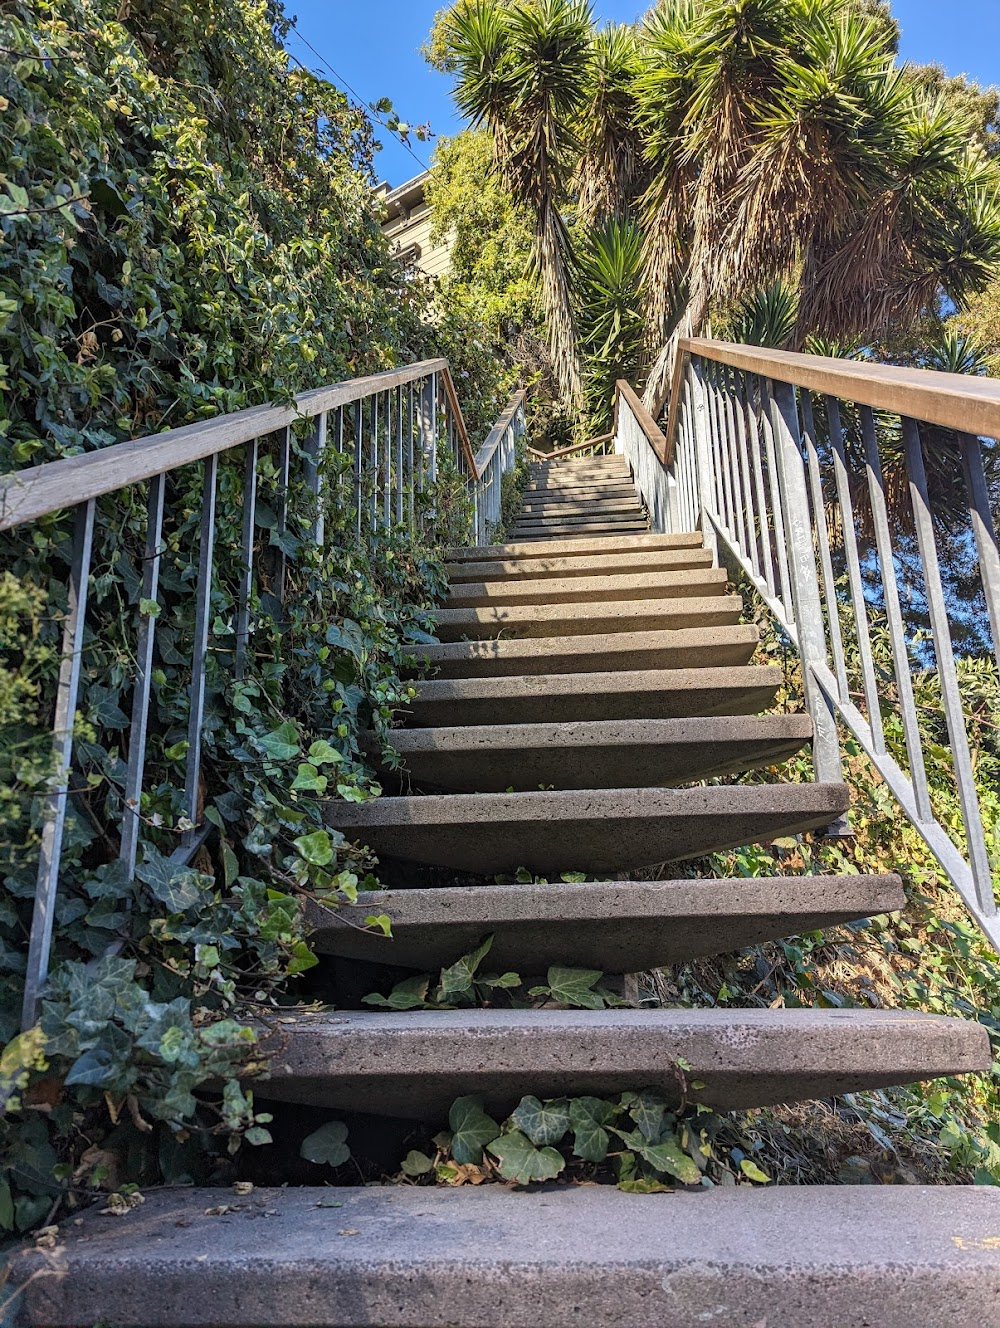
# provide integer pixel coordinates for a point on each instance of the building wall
(412, 231)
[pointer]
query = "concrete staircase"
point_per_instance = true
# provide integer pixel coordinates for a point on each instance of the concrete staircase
(589, 675)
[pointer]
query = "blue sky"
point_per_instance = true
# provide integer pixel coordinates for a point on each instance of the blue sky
(375, 46)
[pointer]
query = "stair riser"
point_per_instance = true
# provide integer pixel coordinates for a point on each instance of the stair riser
(574, 547)
(587, 619)
(689, 648)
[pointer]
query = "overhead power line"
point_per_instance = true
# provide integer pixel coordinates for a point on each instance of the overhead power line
(354, 93)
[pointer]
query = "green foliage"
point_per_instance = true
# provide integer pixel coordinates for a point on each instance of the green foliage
(608, 277)
(639, 1140)
(188, 227)
(461, 984)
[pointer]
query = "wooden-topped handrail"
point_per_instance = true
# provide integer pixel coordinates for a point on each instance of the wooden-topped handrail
(27, 495)
(492, 440)
(954, 401)
(571, 448)
(655, 437)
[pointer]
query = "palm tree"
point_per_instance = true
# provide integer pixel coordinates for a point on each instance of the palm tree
(612, 172)
(521, 70)
(608, 273)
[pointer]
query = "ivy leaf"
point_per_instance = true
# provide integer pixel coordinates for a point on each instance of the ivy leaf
(573, 986)
(667, 1156)
(381, 921)
(316, 848)
(322, 753)
(103, 708)
(95, 1068)
(309, 780)
(281, 744)
(327, 1145)
(416, 1163)
(472, 1129)
(458, 978)
(520, 1161)
(647, 1110)
(754, 1172)
(543, 1123)
(410, 994)
(587, 1118)
(178, 888)
(149, 608)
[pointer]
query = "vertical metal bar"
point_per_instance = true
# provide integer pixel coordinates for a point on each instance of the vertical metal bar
(196, 718)
(740, 443)
(868, 680)
(703, 452)
(823, 539)
(774, 487)
(808, 612)
(981, 516)
(373, 463)
(246, 557)
(893, 613)
(358, 461)
(143, 675)
(758, 480)
(411, 468)
(284, 479)
(398, 487)
(43, 913)
(314, 446)
(732, 462)
(951, 696)
(387, 463)
(338, 443)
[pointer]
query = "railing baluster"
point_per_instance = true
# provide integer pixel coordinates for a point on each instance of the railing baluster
(412, 491)
(196, 717)
(398, 489)
(893, 613)
(314, 446)
(981, 516)
(284, 480)
(703, 449)
(947, 674)
(807, 609)
(43, 913)
(750, 522)
(387, 463)
(758, 482)
(843, 483)
(823, 539)
(246, 557)
(777, 514)
(145, 640)
(359, 415)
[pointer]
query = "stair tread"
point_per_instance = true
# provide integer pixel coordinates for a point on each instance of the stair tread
(553, 590)
(589, 653)
(616, 926)
(587, 565)
(827, 1256)
(593, 831)
(416, 1064)
(595, 754)
(627, 694)
(588, 618)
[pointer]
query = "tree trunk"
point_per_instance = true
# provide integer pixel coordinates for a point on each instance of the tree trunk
(550, 256)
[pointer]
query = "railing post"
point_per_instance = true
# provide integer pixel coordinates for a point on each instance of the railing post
(805, 587)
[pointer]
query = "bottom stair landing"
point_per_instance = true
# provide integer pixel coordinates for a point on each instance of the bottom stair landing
(588, 1256)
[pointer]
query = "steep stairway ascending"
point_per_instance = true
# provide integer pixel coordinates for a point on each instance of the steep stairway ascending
(609, 665)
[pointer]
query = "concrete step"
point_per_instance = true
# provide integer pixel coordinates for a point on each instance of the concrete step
(593, 831)
(631, 694)
(487, 1256)
(580, 546)
(552, 530)
(578, 493)
(690, 647)
(582, 521)
(591, 507)
(606, 616)
(616, 926)
(616, 564)
(599, 465)
(415, 1065)
(577, 589)
(606, 753)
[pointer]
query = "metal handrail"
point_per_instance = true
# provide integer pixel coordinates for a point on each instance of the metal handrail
(766, 452)
(388, 431)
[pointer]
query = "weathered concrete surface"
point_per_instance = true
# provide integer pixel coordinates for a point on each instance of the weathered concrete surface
(572, 548)
(580, 493)
(415, 1065)
(577, 522)
(565, 509)
(605, 616)
(593, 831)
(691, 647)
(564, 697)
(665, 560)
(489, 1257)
(579, 589)
(617, 926)
(606, 753)
(907, 1256)
(548, 530)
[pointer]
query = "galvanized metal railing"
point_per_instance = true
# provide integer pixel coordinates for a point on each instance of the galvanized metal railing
(781, 460)
(372, 448)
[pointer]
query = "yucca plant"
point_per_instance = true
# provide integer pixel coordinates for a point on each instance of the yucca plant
(611, 321)
(521, 70)
(611, 172)
(767, 318)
